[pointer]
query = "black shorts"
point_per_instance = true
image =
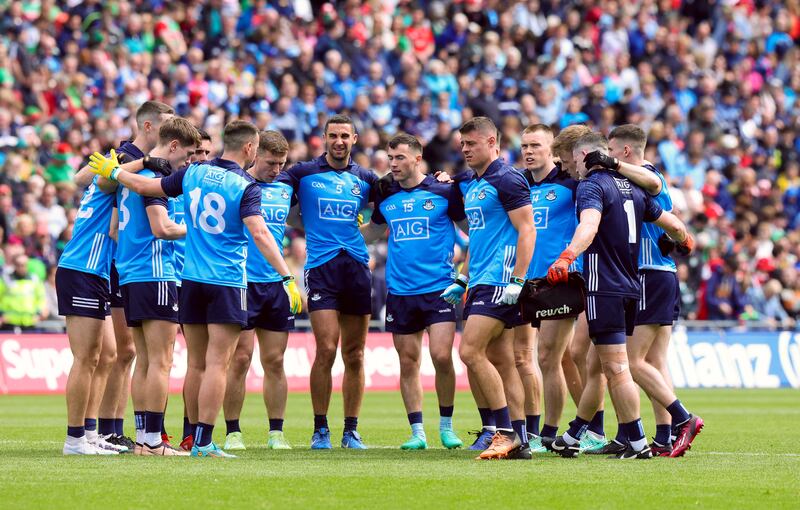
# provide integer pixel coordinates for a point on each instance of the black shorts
(81, 294)
(116, 295)
(410, 314)
(206, 303)
(268, 307)
(149, 301)
(610, 314)
(660, 302)
(342, 283)
(485, 300)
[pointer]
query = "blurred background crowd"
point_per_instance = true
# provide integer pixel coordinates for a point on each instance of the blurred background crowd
(713, 82)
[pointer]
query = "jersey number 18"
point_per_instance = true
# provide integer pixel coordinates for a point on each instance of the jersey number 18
(213, 209)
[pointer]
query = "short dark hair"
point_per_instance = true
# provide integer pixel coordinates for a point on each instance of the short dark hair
(272, 141)
(179, 129)
(405, 139)
(482, 124)
(152, 110)
(203, 134)
(339, 119)
(631, 133)
(593, 140)
(535, 128)
(237, 133)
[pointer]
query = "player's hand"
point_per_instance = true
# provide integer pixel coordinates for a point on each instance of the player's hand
(107, 167)
(443, 177)
(597, 158)
(290, 287)
(665, 245)
(455, 292)
(686, 246)
(160, 166)
(559, 271)
(511, 293)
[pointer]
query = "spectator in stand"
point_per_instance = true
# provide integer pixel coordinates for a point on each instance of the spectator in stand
(22, 296)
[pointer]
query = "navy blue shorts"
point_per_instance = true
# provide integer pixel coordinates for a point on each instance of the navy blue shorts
(610, 314)
(411, 314)
(342, 284)
(116, 294)
(81, 294)
(485, 300)
(268, 307)
(660, 303)
(149, 301)
(205, 303)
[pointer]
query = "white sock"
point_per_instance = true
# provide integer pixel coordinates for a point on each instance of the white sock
(417, 430)
(445, 423)
(152, 438)
(140, 436)
(569, 439)
(71, 440)
(490, 428)
(91, 436)
(594, 435)
(639, 444)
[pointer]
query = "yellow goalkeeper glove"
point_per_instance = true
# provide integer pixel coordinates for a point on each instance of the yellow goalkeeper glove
(107, 167)
(290, 287)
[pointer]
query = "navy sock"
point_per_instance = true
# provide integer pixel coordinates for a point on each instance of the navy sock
(487, 418)
(163, 427)
(320, 421)
(634, 430)
(275, 424)
(577, 427)
(446, 411)
(549, 431)
(678, 412)
(90, 424)
(415, 417)
(532, 423)
(77, 432)
(596, 425)
(662, 434)
(203, 434)
(187, 428)
(152, 422)
(119, 429)
(622, 437)
(502, 418)
(519, 428)
(350, 423)
(105, 426)
(232, 426)
(138, 418)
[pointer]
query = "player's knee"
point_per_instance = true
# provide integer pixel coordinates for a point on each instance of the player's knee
(470, 355)
(240, 362)
(353, 358)
(442, 359)
(126, 355)
(325, 355)
(272, 362)
(547, 360)
(107, 358)
(523, 361)
(616, 369)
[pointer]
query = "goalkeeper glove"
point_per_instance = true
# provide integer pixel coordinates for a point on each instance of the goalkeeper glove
(290, 287)
(559, 271)
(107, 167)
(686, 246)
(512, 290)
(665, 244)
(456, 290)
(160, 166)
(597, 158)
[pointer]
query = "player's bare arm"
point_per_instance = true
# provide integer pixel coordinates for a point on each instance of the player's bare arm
(266, 243)
(372, 232)
(522, 219)
(163, 227)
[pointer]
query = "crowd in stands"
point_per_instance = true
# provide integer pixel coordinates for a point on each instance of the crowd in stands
(714, 83)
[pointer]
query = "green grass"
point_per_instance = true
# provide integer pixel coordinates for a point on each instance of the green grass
(746, 457)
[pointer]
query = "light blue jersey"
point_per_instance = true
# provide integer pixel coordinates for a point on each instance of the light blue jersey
(421, 235)
(492, 236)
(553, 201)
(329, 202)
(276, 199)
(219, 196)
(90, 249)
(141, 257)
(179, 245)
(650, 256)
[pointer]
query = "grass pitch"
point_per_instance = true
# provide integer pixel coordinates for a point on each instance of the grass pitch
(746, 457)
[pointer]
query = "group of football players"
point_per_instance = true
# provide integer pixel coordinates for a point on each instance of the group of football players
(167, 238)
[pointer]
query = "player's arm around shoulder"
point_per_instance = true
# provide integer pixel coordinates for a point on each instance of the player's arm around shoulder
(642, 177)
(372, 232)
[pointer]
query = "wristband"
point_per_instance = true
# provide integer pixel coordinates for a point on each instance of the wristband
(146, 161)
(516, 279)
(461, 281)
(288, 278)
(114, 173)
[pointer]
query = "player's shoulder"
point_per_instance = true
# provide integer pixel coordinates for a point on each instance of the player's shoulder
(303, 168)
(506, 176)
(363, 173)
(130, 150)
(432, 185)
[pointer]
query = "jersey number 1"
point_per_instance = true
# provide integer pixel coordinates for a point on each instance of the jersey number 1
(630, 212)
(213, 208)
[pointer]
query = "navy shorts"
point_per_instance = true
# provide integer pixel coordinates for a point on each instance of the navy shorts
(81, 294)
(343, 284)
(660, 303)
(149, 301)
(116, 294)
(411, 314)
(268, 307)
(610, 314)
(206, 303)
(485, 300)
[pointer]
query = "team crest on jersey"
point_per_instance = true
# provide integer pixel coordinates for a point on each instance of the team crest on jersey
(356, 190)
(175, 307)
(316, 297)
(389, 318)
(284, 194)
(551, 195)
(481, 195)
(428, 205)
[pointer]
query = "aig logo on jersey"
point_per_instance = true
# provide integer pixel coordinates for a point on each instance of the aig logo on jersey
(475, 218)
(410, 229)
(274, 214)
(337, 209)
(214, 176)
(540, 217)
(624, 185)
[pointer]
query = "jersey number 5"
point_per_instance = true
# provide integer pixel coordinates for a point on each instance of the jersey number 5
(213, 209)
(630, 212)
